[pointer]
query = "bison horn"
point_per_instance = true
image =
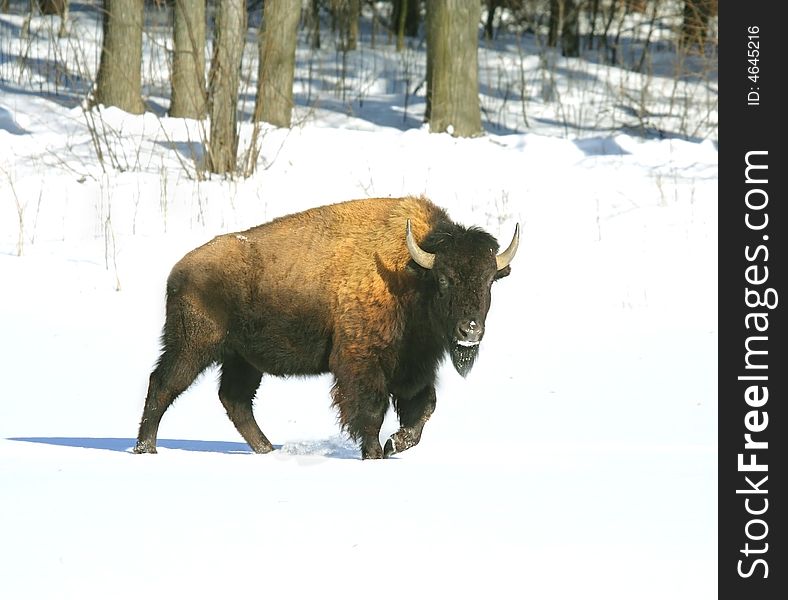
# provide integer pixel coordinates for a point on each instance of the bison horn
(422, 258)
(505, 257)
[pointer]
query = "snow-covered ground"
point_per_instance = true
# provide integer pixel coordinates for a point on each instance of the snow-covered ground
(577, 460)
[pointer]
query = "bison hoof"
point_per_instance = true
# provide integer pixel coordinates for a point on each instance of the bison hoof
(389, 449)
(145, 448)
(371, 452)
(262, 448)
(401, 440)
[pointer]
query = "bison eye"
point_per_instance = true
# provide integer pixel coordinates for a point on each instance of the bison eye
(443, 282)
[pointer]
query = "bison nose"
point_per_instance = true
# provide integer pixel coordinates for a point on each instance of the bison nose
(469, 332)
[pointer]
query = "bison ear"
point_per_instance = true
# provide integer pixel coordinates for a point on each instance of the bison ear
(502, 273)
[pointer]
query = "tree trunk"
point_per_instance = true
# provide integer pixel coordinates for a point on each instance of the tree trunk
(553, 25)
(636, 6)
(594, 17)
(276, 67)
(52, 7)
(344, 18)
(229, 36)
(406, 17)
(314, 24)
(119, 81)
(63, 29)
(45, 7)
(453, 85)
(188, 61)
(430, 44)
(570, 32)
(354, 7)
(400, 17)
(489, 22)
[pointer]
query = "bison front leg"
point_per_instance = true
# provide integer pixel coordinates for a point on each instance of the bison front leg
(413, 415)
(361, 412)
(370, 422)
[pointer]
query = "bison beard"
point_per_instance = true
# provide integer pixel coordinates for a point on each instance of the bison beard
(376, 292)
(463, 356)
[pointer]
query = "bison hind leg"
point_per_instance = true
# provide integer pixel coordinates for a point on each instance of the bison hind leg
(174, 373)
(239, 382)
(191, 340)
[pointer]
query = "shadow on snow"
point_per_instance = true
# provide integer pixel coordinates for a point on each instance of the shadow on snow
(330, 448)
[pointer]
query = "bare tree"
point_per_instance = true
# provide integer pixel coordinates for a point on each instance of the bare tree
(570, 32)
(489, 22)
(593, 20)
(276, 67)
(554, 23)
(564, 20)
(313, 24)
(344, 17)
(59, 8)
(405, 19)
(229, 35)
(119, 81)
(695, 26)
(399, 18)
(52, 7)
(44, 7)
(452, 67)
(188, 62)
(354, 13)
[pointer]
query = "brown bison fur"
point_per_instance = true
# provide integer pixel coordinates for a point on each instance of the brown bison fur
(331, 289)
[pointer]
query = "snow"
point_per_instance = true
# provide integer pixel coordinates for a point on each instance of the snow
(578, 458)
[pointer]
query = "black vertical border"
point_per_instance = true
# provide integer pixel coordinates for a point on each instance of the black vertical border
(745, 128)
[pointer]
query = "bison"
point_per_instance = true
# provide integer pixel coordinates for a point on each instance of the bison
(374, 291)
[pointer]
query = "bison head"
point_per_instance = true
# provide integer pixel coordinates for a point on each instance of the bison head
(459, 266)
